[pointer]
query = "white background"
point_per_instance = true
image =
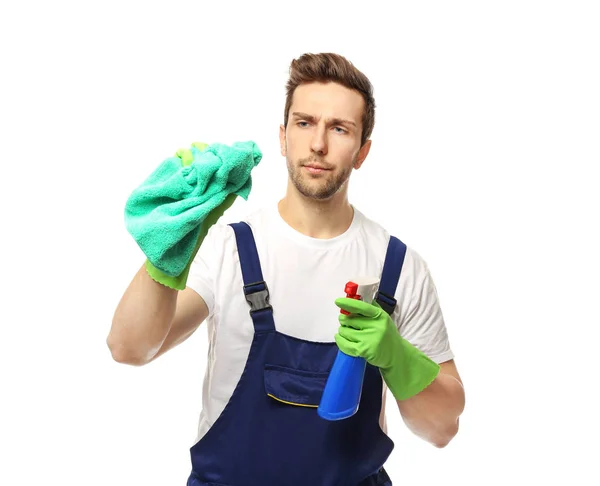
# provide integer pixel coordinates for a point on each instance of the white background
(484, 159)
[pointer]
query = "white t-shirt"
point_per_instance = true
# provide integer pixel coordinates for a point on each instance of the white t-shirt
(304, 276)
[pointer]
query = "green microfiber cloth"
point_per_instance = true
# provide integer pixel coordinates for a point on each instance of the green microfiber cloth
(165, 214)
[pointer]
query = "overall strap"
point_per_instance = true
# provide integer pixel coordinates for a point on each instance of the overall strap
(255, 288)
(394, 259)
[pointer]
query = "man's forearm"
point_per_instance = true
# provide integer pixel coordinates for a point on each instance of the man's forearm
(142, 320)
(433, 414)
(430, 395)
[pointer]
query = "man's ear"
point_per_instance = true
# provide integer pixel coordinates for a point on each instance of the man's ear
(362, 154)
(282, 143)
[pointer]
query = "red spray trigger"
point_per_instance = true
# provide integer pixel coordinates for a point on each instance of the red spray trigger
(351, 293)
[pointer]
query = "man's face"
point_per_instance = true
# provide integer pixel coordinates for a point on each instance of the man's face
(322, 140)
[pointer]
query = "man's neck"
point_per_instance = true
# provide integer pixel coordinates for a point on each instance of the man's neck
(317, 219)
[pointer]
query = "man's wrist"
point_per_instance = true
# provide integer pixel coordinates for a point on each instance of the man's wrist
(411, 370)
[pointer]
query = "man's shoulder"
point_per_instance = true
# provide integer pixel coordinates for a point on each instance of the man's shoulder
(414, 263)
(375, 233)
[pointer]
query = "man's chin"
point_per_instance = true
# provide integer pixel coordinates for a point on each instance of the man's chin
(316, 187)
(316, 193)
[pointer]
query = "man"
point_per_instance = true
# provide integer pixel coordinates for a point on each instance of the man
(288, 265)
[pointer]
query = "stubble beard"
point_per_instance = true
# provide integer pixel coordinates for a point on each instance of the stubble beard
(320, 187)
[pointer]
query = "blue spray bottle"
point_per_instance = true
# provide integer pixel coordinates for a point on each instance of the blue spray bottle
(343, 389)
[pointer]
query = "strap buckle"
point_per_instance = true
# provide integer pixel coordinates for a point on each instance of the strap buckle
(257, 295)
(386, 302)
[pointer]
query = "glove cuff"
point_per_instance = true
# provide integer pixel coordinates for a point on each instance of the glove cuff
(412, 372)
(175, 282)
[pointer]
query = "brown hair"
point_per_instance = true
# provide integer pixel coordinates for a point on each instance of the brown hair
(328, 67)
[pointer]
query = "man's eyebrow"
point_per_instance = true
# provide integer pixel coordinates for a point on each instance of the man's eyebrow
(332, 121)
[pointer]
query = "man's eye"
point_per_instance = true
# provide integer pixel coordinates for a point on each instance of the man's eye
(341, 130)
(302, 124)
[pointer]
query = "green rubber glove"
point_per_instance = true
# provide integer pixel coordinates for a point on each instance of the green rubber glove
(370, 333)
(178, 282)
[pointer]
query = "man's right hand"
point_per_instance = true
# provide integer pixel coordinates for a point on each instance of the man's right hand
(178, 282)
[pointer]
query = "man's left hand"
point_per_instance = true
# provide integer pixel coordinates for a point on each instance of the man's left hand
(369, 332)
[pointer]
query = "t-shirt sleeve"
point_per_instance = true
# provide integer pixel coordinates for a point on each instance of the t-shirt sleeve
(204, 267)
(423, 323)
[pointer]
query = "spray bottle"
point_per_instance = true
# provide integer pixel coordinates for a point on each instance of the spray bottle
(343, 389)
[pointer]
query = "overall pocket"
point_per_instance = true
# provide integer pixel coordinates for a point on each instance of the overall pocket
(294, 387)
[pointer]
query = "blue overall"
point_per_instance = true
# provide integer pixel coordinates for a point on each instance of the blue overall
(269, 433)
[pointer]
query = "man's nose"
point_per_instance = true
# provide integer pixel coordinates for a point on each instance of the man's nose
(319, 140)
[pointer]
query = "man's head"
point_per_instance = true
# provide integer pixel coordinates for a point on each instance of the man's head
(328, 119)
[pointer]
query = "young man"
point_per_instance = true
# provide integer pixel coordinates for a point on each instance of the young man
(288, 265)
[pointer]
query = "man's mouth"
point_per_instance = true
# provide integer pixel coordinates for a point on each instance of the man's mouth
(315, 168)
